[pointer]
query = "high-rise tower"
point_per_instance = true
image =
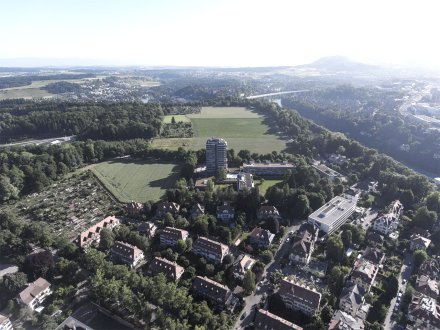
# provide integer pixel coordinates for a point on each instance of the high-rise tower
(216, 154)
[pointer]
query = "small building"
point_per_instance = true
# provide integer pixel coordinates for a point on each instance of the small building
(5, 323)
(134, 209)
(245, 181)
(364, 273)
(303, 244)
(169, 236)
(388, 222)
(374, 255)
(225, 212)
(266, 212)
(334, 213)
(242, 265)
(128, 254)
(265, 320)
(261, 238)
(167, 207)
(93, 234)
(217, 294)
(427, 286)
(430, 268)
(147, 228)
(326, 172)
(35, 294)
(344, 321)
(170, 269)
(299, 297)
(424, 312)
(196, 210)
(338, 159)
(418, 242)
(210, 249)
(351, 298)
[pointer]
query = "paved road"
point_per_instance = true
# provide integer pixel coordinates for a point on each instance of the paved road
(277, 93)
(368, 218)
(41, 141)
(253, 300)
(405, 273)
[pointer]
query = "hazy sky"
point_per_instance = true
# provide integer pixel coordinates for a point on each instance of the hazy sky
(220, 33)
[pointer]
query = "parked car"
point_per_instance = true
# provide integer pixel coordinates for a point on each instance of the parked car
(243, 315)
(404, 281)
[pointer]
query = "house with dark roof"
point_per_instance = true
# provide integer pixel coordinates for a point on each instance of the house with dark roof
(427, 286)
(217, 294)
(344, 321)
(265, 320)
(134, 209)
(169, 236)
(126, 253)
(261, 238)
(35, 294)
(147, 228)
(225, 213)
(374, 255)
(170, 269)
(364, 273)
(242, 265)
(303, 244)
(424, 312)
(351, 298)
(430, 268)
(266, 212)
(299, 297)
(167, 207)
(196, 210)
(418, 242)
(210, 249)
(93, 234)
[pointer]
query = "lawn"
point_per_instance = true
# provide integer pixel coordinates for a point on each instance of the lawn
(138, 181)
(25, 93)
(266, 184)
(240, 127)
(177, 118)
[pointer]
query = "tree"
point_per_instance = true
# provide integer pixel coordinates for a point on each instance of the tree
(180, 246)
(39, 264)
(335, 248)
(419, 257)
(346, 237)
(173, 120)
(107, 239)
(274, 225)
(301, 207)
(424, 218)
(433, 202)
(7, 190)
(249, 282)
(391, 288)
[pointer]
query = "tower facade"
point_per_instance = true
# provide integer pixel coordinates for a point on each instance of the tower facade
(216, 154)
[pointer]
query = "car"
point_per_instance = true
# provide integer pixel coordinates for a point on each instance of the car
(398, 299)
(243, 315)
(404, 281)
(287, 239)
(399, 294)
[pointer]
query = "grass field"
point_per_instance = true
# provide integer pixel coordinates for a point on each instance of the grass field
(242, 128)
(177, 118)
(266, 185)
(137, 181)
(25, 93)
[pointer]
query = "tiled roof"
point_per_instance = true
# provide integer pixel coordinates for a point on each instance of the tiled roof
(33, 290)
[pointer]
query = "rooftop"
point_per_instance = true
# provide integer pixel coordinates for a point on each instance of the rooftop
(334, 209)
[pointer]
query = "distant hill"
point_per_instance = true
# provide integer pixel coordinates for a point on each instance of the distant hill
(339, 63)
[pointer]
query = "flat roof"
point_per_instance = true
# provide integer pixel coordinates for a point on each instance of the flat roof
(269, 165)
(334, 209)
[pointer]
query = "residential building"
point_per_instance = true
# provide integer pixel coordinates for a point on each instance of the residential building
(418, 242)
(266, 212)
(216, 155)
(424, 312)
(170, 269)
(126, 253)
(134, 209)
(261, 238)
(225, 212)
(210, 249)
(374, 255)
(5, 323)
(326, 172)
(35, 294)
(334, 213)
(298, 297)
(242, 265)
(427, 286)
(245, 181)
(196, 210)
(169, 236)
(217, 294)
(344, 321)
(147, 228)
(364, 273)
(337, 159)
(265, 320)
(430, 268)
(267, 169)
(387, 223)
(93, 234)
(167, 207)
(303, 244)
(351, 298)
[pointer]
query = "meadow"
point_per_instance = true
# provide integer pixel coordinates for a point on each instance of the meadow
(129, 180)
(242, 128)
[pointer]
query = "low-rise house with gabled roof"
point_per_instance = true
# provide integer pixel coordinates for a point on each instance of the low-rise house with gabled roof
(196, 210)
(169, 236)
(351, 298)
(35, 293)
(261, 238)
(430, 268)
(167, 207)
(364, 273)
(388, 222)
(299, 297)
(242, 265)
(344, 321)
(147, 228)
(93, 234)
(134, 209)
(225, 213)
(303, 244)
(217, 294)
(427, 286)
(5, 323)
(266, 212)
(424, 312)
(265, 320)
(170, 269)
(418, 242)
(210, 249)
(128, 254)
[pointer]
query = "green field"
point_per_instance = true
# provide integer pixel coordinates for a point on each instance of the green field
(266, 184)
(25, 93)
(138, 181)
(177, 118)
(240, 127)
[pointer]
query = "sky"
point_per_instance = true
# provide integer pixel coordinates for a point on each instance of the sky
(218, 33)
